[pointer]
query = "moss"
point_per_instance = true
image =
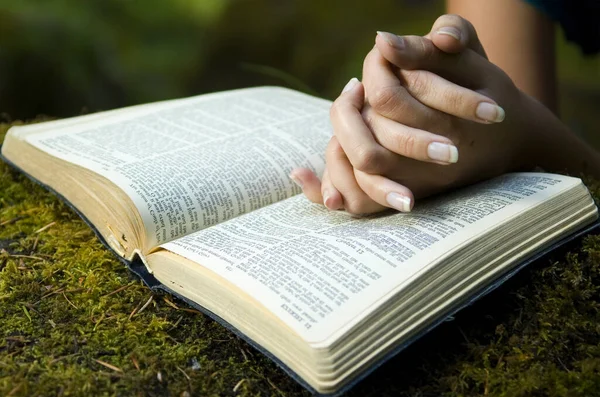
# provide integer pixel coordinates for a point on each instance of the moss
(66, 325)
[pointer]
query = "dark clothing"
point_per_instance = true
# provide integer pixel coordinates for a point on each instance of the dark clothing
(580, 20)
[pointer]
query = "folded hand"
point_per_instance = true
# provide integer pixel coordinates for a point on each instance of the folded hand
(400, 133)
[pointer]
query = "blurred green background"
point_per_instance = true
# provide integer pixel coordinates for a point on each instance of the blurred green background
(67, 57)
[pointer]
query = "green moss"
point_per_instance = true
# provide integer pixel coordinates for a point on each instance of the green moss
(62, 332)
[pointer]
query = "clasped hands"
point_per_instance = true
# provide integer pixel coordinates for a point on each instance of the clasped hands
(432, 113)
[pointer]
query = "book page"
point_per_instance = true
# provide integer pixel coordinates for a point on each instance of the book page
(320, 270)
(193, 163)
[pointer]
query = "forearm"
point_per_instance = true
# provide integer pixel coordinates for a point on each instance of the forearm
(553, 146)
(519, 39)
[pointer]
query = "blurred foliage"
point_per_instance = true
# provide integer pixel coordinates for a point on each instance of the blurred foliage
(65, 57)
(58, 57)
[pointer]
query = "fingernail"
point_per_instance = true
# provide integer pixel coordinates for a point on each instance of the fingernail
(392, 39)
(327, 199)
(490, 112)
(449, 31)
(442, 152)
(296, 180)
(350, 85)
(399, 202)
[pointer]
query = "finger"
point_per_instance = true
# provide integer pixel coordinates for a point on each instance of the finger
(331, 196)
(411, 142)
(341, 174)
(389, 98)
(385, 192)
(309, 182)
(353, 134)
(468, 68)
(445, 96)
(452, 34)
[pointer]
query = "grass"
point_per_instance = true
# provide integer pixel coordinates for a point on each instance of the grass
(74, 321)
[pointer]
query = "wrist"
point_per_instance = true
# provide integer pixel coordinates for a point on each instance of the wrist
(536, 139)
(551, 145)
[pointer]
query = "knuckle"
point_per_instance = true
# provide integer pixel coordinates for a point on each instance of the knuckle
(368, 114)
(418, 83)
(455, 102)
(357, 205)
(427, 51)
(407, 145)
(385, 99)
(339, 109)
(334, 151)
(334, 145)
(367, 160)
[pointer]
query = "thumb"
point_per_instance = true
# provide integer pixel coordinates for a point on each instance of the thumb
(353, 94)
(453, 34)
(467, 68)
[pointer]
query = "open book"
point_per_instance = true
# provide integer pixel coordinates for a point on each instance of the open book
(198, 190)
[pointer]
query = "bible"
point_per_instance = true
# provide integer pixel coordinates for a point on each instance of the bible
(194, 195)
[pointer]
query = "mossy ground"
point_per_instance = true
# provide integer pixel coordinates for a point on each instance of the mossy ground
(71, 323)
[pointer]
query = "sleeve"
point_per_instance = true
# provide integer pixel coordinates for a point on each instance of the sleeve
(578, 18)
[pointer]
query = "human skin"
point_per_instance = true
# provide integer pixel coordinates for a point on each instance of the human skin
(378, 157)
(519, 39)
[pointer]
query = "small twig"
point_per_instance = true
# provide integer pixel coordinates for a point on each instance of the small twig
(45, 227)
(13, 220)
(19, 339)
(117, 290)
(111, 374)
(463, 334)
(190, 310)
(135, 363)
(134, 311)
(563, 365)
(107, 365)
(177, 322)
(63, 357)
(146, 304)
(168, 302)
(70, 303)
(173, 339)
(275, 387)
(72, 291)
(183, 372)
(58, 291)
(26, 257)
(35, 243)
(237, 386)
